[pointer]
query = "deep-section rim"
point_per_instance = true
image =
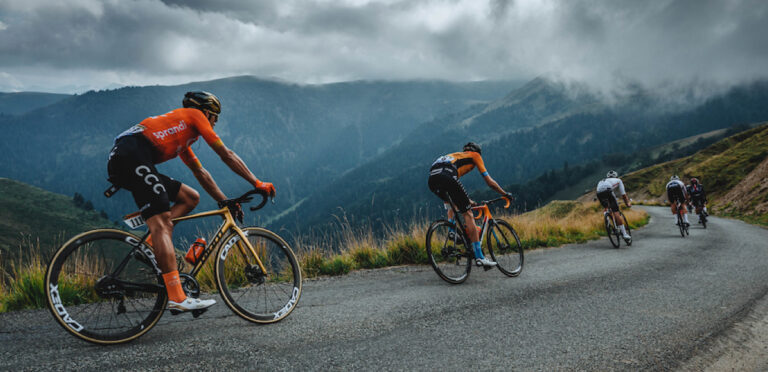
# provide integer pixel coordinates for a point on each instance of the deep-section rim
(227, 295)
(434, 263)
(67, 248)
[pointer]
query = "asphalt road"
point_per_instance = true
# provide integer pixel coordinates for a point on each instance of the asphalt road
(656, 305)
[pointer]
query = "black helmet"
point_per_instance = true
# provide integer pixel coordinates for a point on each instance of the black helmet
(202, 101)
(471, 146)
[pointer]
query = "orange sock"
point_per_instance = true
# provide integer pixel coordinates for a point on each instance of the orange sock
(149, 240)
(173, 286)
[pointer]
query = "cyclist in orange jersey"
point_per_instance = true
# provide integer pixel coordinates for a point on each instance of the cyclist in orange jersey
(160, 138)
(444, 182)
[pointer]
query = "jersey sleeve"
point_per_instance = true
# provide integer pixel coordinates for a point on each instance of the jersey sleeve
(190, 159)
(479, 164)
(621, 188)
(206, 131)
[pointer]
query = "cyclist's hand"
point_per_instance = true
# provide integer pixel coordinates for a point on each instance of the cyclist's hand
(509, 196)
(237, 211)
(267, 187)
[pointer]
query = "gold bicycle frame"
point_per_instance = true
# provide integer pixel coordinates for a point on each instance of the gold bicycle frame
(227, 225)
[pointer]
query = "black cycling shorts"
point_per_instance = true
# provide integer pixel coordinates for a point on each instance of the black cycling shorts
(131, 167)
(675, 193)
(444, 182)
(608, 200)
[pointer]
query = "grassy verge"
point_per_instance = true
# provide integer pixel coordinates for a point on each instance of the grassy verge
(558, 223)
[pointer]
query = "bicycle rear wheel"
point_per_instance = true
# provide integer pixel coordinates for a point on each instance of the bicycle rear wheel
(610, 230)
(252, 294)
(680, 222)
(703, 219)
(100, 288)
(448, 252)
(505, 248)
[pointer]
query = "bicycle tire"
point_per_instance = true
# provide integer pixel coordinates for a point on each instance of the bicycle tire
(680, 222)
(609, 230)
(92, 304)
(252, 295)
(448, 253)
(626, 226)
(703, 219)
(506, 250)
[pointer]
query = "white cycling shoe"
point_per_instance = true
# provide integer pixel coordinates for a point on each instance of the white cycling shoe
(484, 262)
(190, 304)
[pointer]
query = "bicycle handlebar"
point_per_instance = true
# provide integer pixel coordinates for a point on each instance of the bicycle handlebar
(507, 199)
(245, 198)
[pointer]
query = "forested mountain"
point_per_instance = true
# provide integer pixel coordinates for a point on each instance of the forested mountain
(23, 102)
(299, 137)
(523, 138)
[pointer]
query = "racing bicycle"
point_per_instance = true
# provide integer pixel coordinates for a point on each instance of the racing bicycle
(104, 286)
(450, 251)
(612, 229)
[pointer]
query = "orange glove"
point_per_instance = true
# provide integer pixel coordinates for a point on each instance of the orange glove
(267, 187)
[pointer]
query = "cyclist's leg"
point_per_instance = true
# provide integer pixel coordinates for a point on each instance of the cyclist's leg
(186, 200)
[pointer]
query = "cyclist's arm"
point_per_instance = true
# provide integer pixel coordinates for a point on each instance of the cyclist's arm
(235, 164)
(626, 200)
(484, 172)
(202, 175)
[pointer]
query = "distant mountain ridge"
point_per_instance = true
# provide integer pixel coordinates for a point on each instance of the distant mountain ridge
(297, 136)
(23, 102)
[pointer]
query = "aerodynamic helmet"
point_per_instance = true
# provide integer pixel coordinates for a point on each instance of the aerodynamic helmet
(471, 146)
(202, 101)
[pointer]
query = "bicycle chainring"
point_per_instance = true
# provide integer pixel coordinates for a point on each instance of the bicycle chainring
(190, 285)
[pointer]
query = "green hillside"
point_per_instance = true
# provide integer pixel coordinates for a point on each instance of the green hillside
(28, 213)
(733, 171)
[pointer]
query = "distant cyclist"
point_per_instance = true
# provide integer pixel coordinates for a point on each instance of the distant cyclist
(676, 192)
(444, 182)
(606, 189)
(158, 139)
(698, 196)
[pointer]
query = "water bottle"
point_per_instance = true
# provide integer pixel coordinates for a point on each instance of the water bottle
(195, 251)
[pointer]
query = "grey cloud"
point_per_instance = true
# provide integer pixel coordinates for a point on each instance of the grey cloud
(607, 43)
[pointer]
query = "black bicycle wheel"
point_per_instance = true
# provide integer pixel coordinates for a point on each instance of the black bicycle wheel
(505, 248)
(626, 226)
(448, 252)
(680, 222)
(610, 230)
(703, 220)
(102, 289)
(252, 294)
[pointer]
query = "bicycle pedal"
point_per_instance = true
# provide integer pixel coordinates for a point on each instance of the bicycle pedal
(197, 313)
(175, 312)
(486, 268)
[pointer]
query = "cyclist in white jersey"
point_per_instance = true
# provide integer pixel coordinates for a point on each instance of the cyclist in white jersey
(676, 192)
(605, 193)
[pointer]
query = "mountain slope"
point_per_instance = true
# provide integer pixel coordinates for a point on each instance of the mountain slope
(28, 212)
(23, 102)
(527, 133)
(292, 135)
(734, 172)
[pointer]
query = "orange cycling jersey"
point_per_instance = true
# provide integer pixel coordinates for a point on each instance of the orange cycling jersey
(172, 133)
(464, 162)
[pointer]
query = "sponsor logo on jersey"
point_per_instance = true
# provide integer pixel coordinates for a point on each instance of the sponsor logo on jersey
(172, 130)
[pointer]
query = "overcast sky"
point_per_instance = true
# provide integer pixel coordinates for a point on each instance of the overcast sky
(76, 45)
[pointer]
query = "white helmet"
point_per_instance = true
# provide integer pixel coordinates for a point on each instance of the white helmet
(674, 178)
(612, 174)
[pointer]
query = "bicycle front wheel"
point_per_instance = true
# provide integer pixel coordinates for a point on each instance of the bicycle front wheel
(680, 223)
(626, 226)
(448, 252)
(505, 248)
(254, 295)
(100, 288)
